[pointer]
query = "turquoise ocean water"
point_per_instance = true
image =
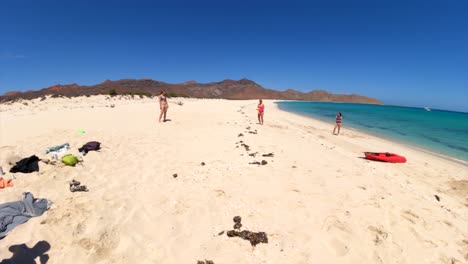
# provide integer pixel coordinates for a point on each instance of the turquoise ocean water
(438, 131)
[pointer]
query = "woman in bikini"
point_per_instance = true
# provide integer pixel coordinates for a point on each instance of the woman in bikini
(163, 105)
(338, 120)
(260, 109)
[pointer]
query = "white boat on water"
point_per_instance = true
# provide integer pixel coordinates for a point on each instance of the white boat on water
(427, 108)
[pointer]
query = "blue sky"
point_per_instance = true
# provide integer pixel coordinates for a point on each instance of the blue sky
(411, 53)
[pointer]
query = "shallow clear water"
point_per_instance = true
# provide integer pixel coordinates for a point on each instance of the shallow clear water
(438, 131)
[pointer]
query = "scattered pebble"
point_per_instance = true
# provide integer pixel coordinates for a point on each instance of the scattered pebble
(437, 197)
(174, 175)
(268, 155)
(203, 163)
(240, 135)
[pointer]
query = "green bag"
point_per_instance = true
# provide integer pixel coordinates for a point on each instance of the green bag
(70, 160)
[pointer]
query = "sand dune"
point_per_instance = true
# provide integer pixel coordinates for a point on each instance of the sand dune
(317, 200)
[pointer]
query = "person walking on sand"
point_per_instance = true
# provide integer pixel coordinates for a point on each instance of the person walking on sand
(338, 120)
(163, 105)
(260, 109)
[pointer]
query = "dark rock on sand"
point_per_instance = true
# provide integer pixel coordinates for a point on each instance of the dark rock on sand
(205, 262)
(237, 220)
(240, 135)
(437, 197)
(268, 155)
(203, 164)
(254, 238)
(174, 175)
(263, 162)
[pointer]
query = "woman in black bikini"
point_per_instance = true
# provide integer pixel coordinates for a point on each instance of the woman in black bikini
(163, 105)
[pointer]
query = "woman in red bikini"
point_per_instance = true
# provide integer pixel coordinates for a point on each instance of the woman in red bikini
(260, 109)
(338, 120)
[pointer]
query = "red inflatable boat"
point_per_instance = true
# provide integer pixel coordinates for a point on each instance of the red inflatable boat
(385, 156)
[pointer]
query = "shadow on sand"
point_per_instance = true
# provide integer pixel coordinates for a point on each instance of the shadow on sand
(22, 254)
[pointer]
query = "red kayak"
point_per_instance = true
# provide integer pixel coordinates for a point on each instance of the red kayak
(387, 157)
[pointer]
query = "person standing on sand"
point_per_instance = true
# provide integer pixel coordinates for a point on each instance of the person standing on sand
(163, 105)
(260, 109)
(338, 120)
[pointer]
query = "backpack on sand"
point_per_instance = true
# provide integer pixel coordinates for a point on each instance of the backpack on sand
(92, 145)
(70, 160)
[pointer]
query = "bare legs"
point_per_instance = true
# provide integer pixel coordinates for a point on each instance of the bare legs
(337, 126)
(163, 113)
(260, 118)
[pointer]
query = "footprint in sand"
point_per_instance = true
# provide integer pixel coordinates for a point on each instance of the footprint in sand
(338, 233)
(378, 234)
(449, 260)
(79, 229)
(220, 193)
(464, 248)
(413, 218)
(103, 246)
(410, 216)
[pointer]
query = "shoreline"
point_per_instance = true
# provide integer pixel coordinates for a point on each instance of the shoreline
(370, 133)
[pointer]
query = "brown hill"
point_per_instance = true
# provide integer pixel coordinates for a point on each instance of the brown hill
(227, 89)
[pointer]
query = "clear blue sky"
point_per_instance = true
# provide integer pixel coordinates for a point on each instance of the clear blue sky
(402, 52)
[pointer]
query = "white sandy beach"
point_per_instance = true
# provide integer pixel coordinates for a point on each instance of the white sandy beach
(317, 199)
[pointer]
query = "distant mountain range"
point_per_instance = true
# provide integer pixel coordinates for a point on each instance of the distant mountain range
(227, 89)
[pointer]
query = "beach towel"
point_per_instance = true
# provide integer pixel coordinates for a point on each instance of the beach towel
(15, 213)
(58, 154)
(57, 148)
(26, 165)
(92, 145)
(5, 183)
